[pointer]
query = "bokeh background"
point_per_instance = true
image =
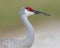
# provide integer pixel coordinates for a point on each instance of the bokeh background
(12, 27)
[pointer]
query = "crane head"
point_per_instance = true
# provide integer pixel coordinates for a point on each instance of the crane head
(27, 11)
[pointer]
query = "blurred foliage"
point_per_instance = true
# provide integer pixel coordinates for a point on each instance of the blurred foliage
(9, 10)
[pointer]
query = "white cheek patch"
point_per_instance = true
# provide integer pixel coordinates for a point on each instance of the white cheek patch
(28, 13)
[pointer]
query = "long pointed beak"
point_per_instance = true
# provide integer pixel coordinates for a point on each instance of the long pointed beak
(38, 12)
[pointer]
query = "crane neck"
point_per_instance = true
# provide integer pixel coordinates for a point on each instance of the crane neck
(30, 31)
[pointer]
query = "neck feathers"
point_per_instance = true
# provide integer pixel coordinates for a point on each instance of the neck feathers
(30, 31)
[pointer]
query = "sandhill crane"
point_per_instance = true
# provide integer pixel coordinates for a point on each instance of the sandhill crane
(28, 41)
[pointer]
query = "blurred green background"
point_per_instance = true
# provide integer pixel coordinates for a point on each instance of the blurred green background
(9, 10)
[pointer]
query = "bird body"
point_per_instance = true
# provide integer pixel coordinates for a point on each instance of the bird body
(28, 41)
